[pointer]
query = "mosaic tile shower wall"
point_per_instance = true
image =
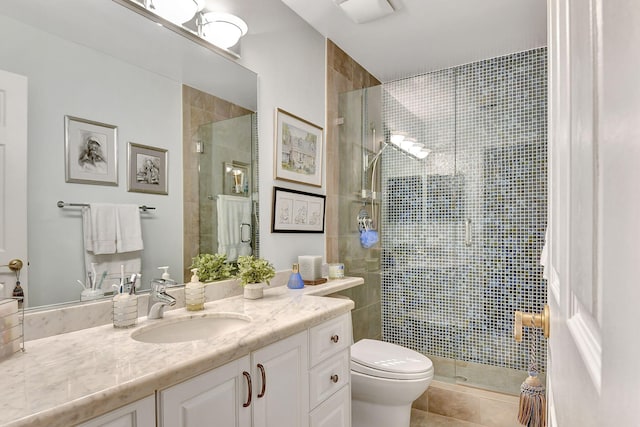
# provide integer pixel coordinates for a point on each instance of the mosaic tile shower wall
(445, 291)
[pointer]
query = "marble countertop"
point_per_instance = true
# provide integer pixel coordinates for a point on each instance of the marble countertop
(65, 379)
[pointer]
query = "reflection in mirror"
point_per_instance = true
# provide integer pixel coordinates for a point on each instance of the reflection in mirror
(112, 66)
(220, 214)
(225, 180)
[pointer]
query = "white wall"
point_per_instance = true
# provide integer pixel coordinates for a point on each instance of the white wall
(290, 64)
(144, 106)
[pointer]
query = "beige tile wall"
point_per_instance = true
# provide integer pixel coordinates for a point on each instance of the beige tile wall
(345, 75)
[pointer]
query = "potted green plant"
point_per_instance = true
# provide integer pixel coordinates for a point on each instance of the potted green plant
(253, 273)
(212, 267)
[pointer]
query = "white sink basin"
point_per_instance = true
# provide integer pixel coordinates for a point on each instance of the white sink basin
(191, 328)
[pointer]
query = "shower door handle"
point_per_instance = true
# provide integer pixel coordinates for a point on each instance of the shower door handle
(242, 240)
(468, 232)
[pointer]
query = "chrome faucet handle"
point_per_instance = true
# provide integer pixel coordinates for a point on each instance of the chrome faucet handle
(158, 299)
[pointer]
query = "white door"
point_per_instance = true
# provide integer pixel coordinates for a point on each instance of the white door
(13, 177)
(281, 385)
(594, 213)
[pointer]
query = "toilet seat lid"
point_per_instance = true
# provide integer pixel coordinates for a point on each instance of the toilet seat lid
(388, 360)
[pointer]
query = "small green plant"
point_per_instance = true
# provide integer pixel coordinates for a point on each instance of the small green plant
(212, 267)
(254, 270)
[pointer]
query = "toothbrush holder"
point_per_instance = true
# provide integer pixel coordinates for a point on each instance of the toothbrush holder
(125, 310)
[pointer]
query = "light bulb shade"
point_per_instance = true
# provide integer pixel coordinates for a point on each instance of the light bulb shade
(410, 147)
(222, 29)
(407, 143)
(397, 137)
(422, 154)
(176, 11)
(414, 150)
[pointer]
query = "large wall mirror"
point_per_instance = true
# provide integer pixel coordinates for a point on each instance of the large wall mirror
(98, 61)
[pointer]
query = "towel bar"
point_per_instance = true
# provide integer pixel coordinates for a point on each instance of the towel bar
(62, 204)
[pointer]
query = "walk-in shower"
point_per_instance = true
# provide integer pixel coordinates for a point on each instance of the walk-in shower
(461, 231)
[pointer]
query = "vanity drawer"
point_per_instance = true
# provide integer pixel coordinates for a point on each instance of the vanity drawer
(334, 412)
(328, 377)
(329, 338)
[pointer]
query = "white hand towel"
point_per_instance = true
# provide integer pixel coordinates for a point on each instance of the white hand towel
(233, 211)
(103, 228)
(87, 231)
(128, 229)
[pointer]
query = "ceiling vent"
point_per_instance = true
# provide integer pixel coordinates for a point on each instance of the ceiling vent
(361, 11)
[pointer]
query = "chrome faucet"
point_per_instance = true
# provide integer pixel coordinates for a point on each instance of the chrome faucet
(159, 299)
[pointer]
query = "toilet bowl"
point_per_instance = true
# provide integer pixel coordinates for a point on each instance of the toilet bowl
(385, 380)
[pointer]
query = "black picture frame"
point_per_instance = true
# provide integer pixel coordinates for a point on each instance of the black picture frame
(296, 211)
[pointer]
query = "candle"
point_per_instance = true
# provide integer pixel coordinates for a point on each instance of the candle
(310, 266)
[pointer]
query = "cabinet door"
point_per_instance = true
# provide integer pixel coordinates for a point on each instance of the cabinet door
(213, 398)
(334, 412)
(137, 414)
(282, 398)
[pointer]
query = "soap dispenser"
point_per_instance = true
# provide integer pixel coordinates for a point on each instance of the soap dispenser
(194, 292)
(165, 274)
(295, 280)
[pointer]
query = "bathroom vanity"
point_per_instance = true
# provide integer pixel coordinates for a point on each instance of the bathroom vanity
(288, 366)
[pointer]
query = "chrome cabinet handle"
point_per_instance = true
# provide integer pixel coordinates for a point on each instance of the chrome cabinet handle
(264, 380)
(334, 378)
(335, 338)
(248, 377)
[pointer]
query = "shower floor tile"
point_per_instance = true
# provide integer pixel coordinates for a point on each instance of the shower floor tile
(424, 419)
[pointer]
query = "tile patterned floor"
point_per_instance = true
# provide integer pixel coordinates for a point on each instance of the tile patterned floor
(424, 419)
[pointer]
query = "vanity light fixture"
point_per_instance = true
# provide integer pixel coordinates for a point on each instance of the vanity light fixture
(222, 29)
(218, 32)
(176, 11)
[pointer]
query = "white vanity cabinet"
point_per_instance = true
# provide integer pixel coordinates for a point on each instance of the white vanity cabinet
(278, 397)
(141, 413)
(281, 385)
(330, 373)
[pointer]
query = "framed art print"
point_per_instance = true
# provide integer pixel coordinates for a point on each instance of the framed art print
(147, 170)
(91, 152)
(298, 150)
(297, 212)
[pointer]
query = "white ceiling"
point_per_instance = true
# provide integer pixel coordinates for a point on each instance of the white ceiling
(427, 35)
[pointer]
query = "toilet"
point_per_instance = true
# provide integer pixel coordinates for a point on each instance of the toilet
(385, 380)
